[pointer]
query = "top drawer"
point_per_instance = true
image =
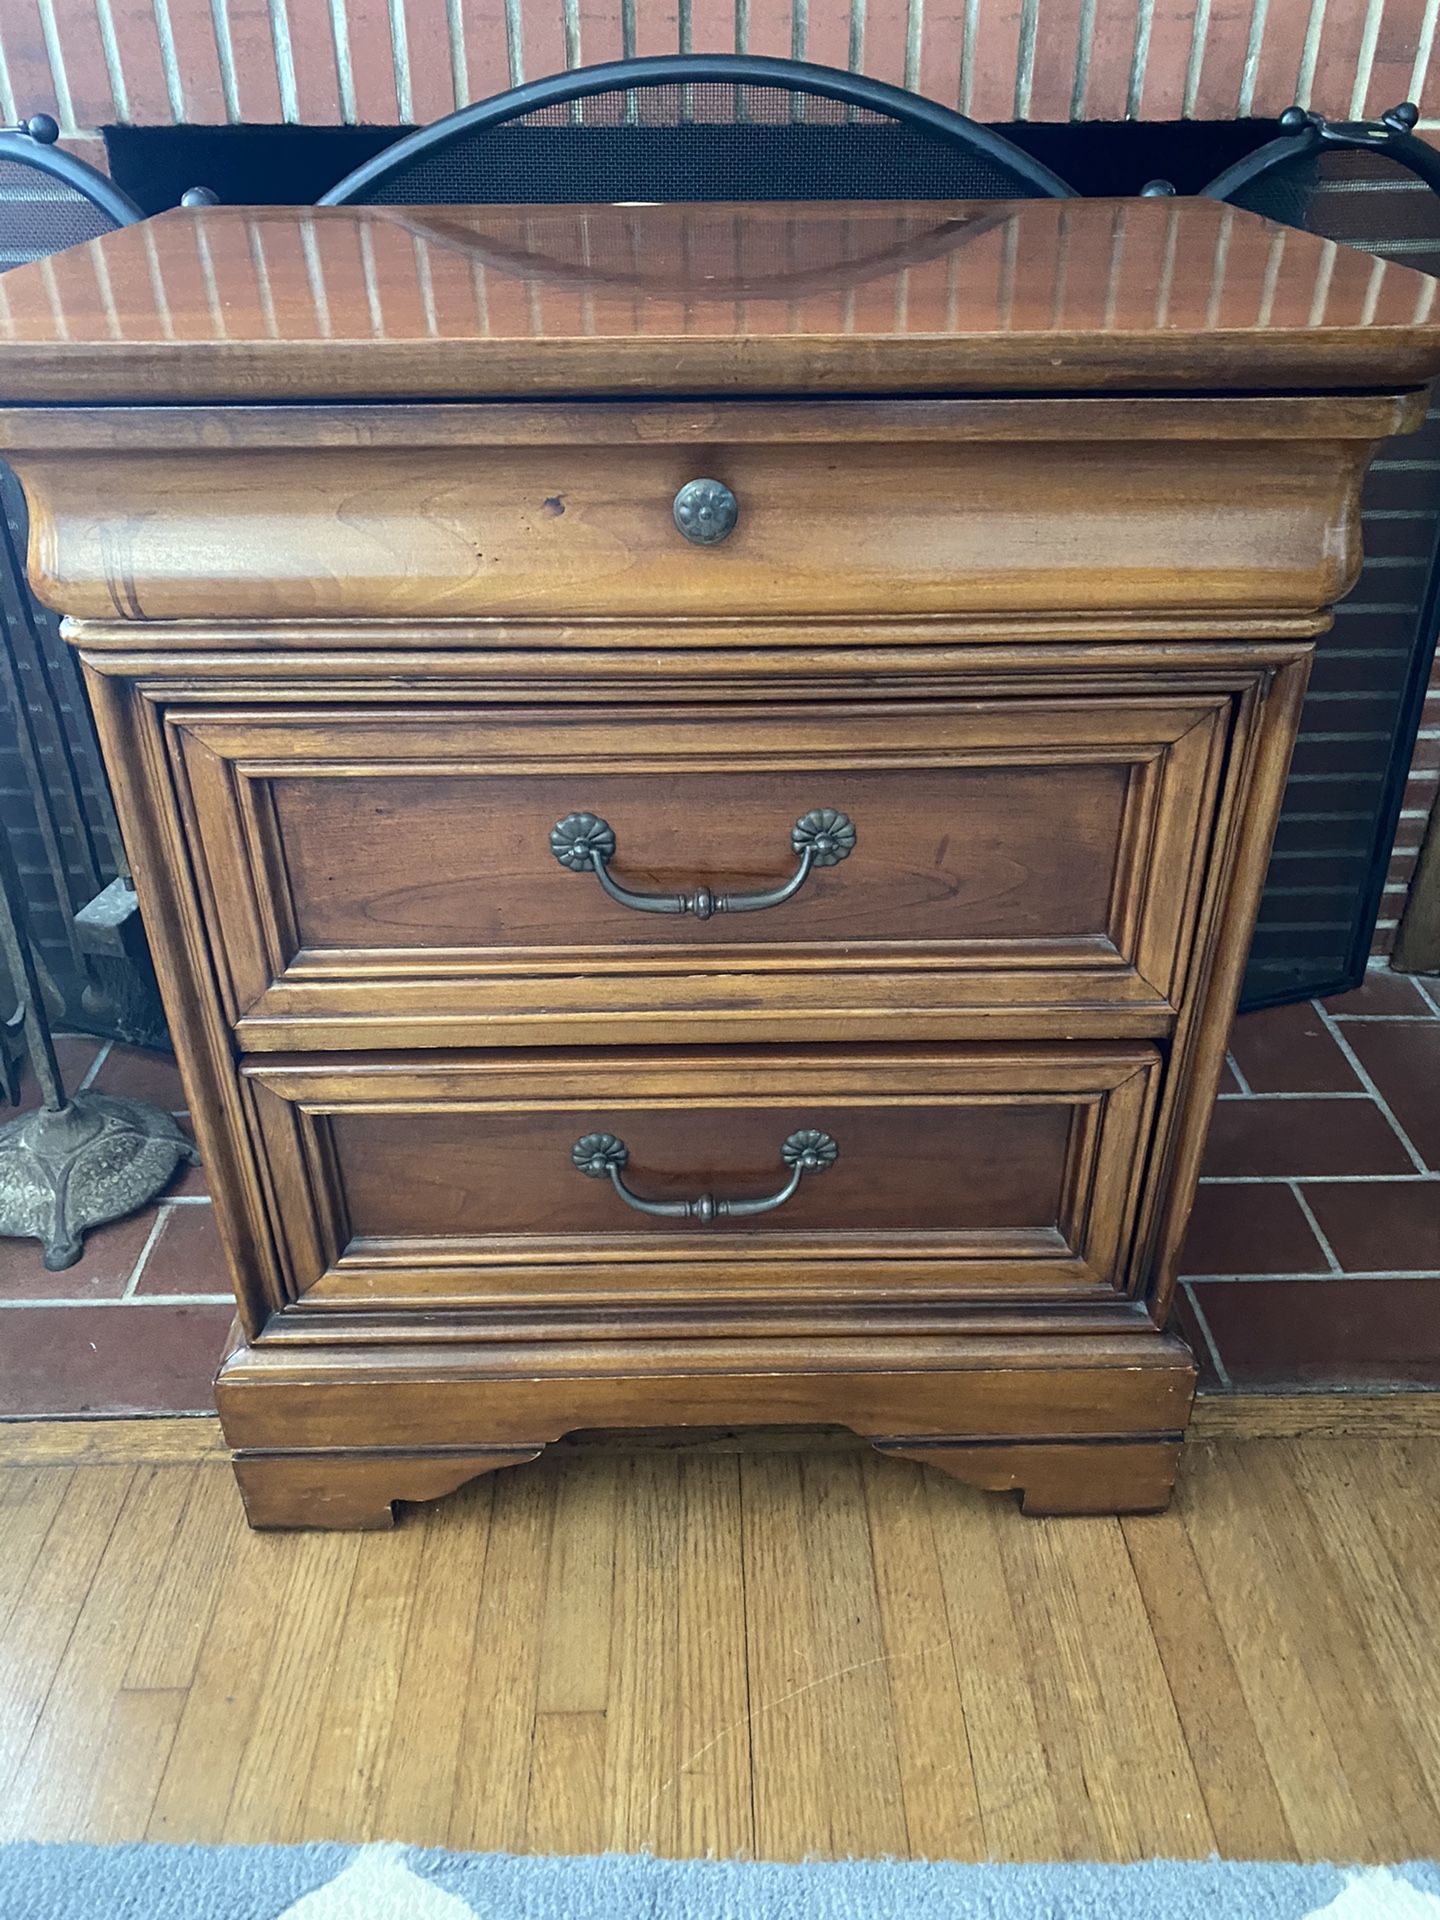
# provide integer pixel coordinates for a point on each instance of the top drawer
(840, 509)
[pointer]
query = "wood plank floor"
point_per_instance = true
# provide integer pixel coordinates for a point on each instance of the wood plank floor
(777, 1653)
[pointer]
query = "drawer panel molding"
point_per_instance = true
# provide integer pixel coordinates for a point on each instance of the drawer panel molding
(587, 1181)
(400, 876)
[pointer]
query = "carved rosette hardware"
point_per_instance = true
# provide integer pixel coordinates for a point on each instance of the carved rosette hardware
(706, 512)
(578, 838)
(586, 844)
(603, 1156)
(827, 836)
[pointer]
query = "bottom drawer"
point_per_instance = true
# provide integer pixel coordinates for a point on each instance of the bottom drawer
(602, 1180)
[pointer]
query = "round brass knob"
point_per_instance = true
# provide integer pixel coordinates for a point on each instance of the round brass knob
(706, 511)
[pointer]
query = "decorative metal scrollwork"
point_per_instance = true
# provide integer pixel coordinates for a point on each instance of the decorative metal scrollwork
(586, 844)
(602, 1156)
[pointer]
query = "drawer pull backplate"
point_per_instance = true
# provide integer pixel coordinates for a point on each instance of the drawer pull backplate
(602, 1156)
(584, 843)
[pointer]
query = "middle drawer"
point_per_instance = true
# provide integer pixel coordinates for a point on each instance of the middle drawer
(607, 1181)
(416, 877)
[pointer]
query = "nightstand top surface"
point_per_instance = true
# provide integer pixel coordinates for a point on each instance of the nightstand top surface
(237, 304)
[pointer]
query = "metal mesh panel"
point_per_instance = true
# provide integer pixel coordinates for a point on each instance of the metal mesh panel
(1364, 199)
(40, 214)
(1357, 729)
(699, 141)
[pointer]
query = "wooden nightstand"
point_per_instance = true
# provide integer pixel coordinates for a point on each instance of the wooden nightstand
(700, 834)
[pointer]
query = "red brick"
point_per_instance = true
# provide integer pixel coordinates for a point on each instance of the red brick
(543, 40)
(1404, 1062)
(712, 26)
(1057, 53)
(1289, 1050)
(82, 56)
(1277, 75)
(137, 40)
(1227, 37)
(1244, 1229)
(1290, 1138)
(122, 1359)
(1427, 94)
(1395, 49)
(27, 60)
(427, 51)
(74, 1055)
(143, 1074)
(1381, 992)
(187, 1256)
(886, 39)
(942, 50)
(1338, 58)
(1325, 1333)
(372, 60)
(997, 60)
(1112, 57)
(253, 47)
(1378, 1226)
(657, 28)
(197, 58)
(312, 55)
(101, 1272)
(1172, 31)
(768, 31)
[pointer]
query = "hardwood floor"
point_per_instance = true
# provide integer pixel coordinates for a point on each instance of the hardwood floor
(779, 1653)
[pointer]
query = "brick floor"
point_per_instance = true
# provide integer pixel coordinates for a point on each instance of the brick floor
(138, 1325)
(1313, 1258)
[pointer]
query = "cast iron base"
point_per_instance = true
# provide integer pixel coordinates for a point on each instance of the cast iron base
(92, 1160)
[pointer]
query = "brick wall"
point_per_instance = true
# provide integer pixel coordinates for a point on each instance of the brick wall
(323, 62)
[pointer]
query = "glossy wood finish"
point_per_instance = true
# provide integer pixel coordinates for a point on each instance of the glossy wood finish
(240, 304)
(447, 1181)
(351, 661)
(927, 508)
(789, 1654)
(1005, 849)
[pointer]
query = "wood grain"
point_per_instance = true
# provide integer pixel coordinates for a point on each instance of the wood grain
(852, 297)
(1025, 569)
(588, 531)
(1002, 848)
(449, 1179)
(791, 1655)
(28, 1444)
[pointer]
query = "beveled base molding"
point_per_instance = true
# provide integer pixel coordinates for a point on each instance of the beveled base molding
(357, 1491)
(332, 1435)
(64, 1440)
(1071, 1476)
